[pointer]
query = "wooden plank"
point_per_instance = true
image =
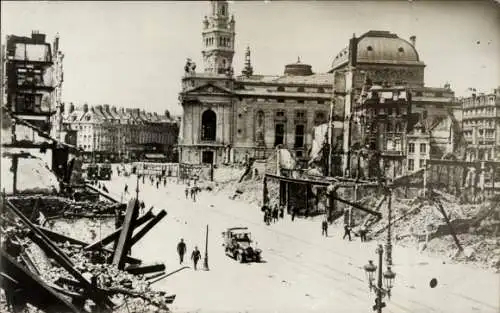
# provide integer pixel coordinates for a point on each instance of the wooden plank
(46, 244)
(34, 290)
(357, 206)
(147, 228)
(145, 269)
(126, 233)
(105, 195)
(115, 235)
(63, 238)
(452, 230)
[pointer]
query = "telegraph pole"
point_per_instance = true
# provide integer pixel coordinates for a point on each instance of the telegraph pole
(330, 131)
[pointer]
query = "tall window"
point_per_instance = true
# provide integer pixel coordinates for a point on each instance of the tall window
(411, 164)
(423, 148)
(421, 163)
(300, 89)
(299, 136)
(411, 147)
(281, 88)
(279, 134)
(208, 125)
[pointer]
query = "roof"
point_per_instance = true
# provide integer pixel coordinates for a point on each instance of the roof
(380, 47)
(314, 79)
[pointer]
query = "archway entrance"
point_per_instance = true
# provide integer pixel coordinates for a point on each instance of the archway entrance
(208, 125)
(207, 157)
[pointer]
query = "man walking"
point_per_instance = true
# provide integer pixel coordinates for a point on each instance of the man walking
(324, 228)
(347, 232)
(181, 250)
(186, 192)
(126, 188)
(195, 256)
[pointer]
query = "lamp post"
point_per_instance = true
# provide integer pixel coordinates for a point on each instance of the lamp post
(205, 261)
(383, 279)
(388, 245)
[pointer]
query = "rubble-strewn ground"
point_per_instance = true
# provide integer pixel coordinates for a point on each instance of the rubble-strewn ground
(481, 243)
(302, 271)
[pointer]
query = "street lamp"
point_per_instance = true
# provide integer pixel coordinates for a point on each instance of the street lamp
(387, 281)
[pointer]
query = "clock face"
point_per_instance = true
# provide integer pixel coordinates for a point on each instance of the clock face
(210, 89)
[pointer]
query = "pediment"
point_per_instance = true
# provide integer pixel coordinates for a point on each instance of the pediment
(208, 89)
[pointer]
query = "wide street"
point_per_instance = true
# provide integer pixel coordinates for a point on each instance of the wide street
(301, 270)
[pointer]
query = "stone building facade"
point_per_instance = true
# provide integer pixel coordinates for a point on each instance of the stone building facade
(33, 75)
(382, 73)
(229, 118)
(104, 132)
(481, 126)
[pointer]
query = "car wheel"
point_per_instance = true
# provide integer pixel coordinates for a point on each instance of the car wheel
(240, 258)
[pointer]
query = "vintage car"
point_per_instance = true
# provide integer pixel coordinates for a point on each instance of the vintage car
(238, 244)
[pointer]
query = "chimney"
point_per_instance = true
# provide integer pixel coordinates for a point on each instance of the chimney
(413, 40)
(85, 108)
(353, 50)
(56, 43)
(106, 108)
(167, 113)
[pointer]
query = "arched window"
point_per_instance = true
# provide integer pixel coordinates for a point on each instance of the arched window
(208, 125)
(300, 89)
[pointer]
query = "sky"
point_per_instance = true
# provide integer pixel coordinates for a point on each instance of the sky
(132, 54)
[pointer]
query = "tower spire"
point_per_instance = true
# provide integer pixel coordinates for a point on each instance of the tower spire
(248, 69)
(218, 39)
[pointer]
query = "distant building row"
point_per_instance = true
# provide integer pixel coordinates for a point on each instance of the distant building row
(105, 132)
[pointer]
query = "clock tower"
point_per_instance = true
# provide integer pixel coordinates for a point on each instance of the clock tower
(218, 39)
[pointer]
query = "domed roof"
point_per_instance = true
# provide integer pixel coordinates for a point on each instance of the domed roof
(298, 69)
(381, 47)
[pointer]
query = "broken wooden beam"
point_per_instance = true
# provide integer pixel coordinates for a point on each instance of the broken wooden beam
(122, 246)
(452, 230)
(153, 276)
(115, 235)
(145, 268)
(49, 247)
(105, 195)
(33, 289)
(147, 228)
(357, 206)
(63, 238)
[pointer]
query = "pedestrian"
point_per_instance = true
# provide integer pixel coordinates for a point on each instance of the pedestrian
(158, 184)
(126, 188)
(347, 232)
(186, 192)
(193, 194)
(195, 256)
(324, 228)
(362, 233)
(275, 214)
(164, 182)
(181, 250)
(294, 211)
(282, 211)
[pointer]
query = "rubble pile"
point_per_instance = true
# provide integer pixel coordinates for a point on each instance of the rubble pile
(84, 229)
(69, 258)
(55, 205)
(420, 223)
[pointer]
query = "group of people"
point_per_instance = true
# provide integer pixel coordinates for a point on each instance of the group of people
(191, 191)
(195, 255)
(272, 215)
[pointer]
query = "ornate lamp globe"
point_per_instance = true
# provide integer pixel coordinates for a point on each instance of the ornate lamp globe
(389, 276)
(370, 269)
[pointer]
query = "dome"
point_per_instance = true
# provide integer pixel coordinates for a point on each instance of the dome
(380, 47)
(298, 69)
